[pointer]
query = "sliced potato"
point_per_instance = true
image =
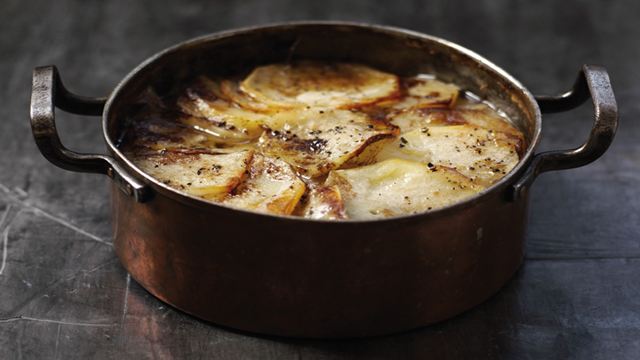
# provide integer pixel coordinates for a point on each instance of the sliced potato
(476, 114)
(483, 115)
(153, 133)
(426, 93)
(437, 91)
(208, 111)
(207, 89)
(185, 142)
(322, 140)
(314, 83)
(415, 119)
(317, 140)
(322, 202)
(398, 187)
(231, 88)
(484, 156)
(272, 187)
(206, 175)
(157, 135)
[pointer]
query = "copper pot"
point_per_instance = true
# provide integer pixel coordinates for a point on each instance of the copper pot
(296, 277)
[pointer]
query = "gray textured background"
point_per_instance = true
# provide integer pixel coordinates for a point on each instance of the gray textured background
(64, 294)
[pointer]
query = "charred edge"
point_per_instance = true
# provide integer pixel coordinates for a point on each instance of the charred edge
(198, 90)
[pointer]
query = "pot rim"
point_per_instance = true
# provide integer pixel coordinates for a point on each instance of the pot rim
(204, 204)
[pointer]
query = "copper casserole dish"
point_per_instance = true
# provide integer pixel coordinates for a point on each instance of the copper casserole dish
(308, 278)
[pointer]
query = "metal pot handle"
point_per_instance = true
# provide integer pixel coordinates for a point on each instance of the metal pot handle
(48, 92)
(592, 82)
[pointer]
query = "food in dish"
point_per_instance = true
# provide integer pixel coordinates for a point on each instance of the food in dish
(322, 140)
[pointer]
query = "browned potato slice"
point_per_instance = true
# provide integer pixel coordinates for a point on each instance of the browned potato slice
(398, 187)
(231, 88)
(190, 144)
(424, 93)
(317, 140)
(482, 115)
(415, 119)
(476, 114)
(204, 175)
(314, 83)
(271, 187)
(484, 156)
(156, 134)
(367, 156)
(208, 111)
(208, 90)
(322, 202)
(148, 135)
(154, 129)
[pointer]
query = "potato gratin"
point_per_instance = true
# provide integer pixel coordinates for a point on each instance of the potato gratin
(323, 141)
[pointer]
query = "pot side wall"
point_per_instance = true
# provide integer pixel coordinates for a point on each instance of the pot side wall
(284, 276)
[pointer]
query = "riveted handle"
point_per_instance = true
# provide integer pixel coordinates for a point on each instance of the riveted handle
(47, 93)
(592, 82)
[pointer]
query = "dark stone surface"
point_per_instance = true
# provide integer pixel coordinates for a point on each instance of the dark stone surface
(64, 294)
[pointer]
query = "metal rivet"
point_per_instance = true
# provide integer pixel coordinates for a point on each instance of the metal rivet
(522, 191)
(110, 172)
(129, 189)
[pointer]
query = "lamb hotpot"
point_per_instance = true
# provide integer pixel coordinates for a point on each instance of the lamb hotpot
(297, 277)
